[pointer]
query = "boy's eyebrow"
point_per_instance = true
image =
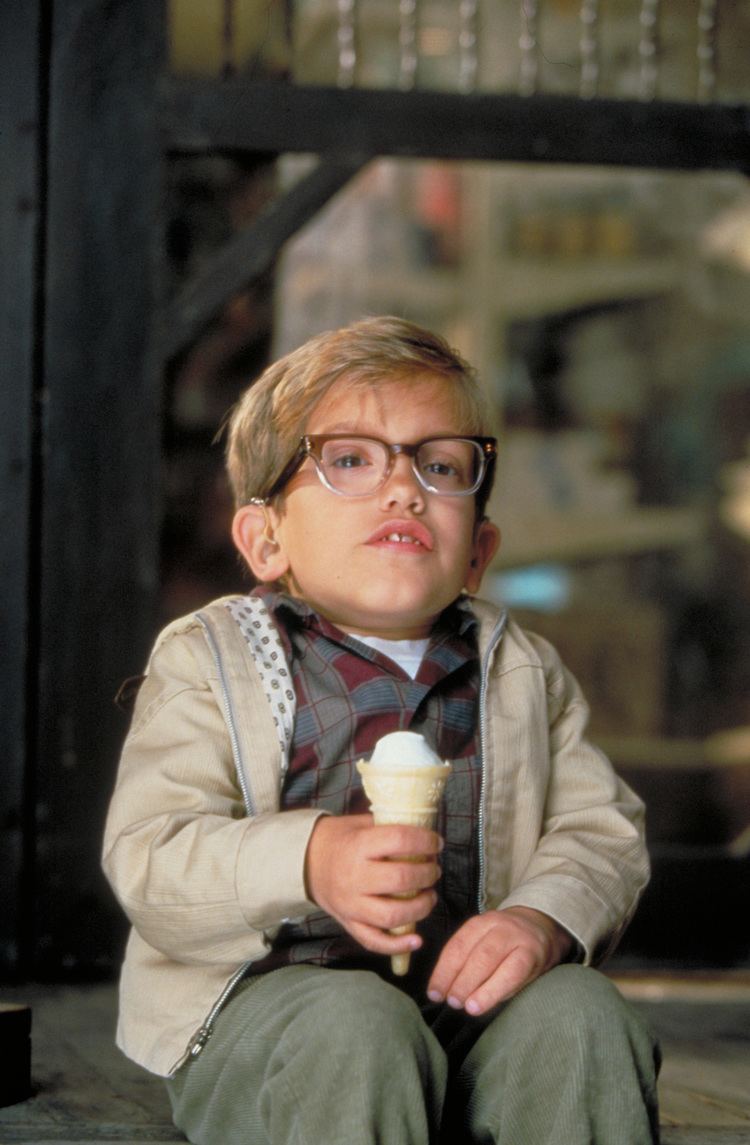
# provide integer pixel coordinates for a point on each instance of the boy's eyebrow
(355, 429)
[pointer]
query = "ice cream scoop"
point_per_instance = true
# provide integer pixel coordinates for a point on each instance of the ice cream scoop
(404, 781)
(404, 749)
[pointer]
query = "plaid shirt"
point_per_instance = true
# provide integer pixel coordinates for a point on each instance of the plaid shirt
(348, 696)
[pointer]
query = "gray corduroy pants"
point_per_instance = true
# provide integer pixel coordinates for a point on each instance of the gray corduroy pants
(307, 1056)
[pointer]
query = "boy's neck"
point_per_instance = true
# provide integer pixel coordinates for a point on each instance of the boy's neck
(388, 631)
(409, 632)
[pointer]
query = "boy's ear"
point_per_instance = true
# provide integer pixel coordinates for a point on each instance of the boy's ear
(253, 530)
(486, 544)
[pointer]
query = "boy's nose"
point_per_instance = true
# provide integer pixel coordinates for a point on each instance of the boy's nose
(401, 486)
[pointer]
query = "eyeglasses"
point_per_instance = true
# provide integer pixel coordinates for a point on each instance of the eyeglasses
(355, 466)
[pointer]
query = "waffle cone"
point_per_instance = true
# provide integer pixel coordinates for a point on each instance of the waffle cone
(403, 795)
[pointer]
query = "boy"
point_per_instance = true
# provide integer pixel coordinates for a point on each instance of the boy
(239, 843)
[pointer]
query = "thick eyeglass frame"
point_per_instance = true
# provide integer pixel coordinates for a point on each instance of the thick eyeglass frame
(311, 445)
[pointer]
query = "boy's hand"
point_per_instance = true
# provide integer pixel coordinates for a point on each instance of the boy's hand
(493, 955)
(352, 871)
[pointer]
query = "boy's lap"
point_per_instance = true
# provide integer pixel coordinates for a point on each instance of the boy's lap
(310, 1005)
(314, 1026)
(301, 1007)
(317, 1032)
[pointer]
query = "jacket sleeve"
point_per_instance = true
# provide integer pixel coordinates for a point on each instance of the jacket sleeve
(590, 863)
(199, 879)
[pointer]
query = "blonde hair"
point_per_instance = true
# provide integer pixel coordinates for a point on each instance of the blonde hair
(266, 424)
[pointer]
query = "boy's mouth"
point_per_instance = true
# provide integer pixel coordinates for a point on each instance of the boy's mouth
(411, 534)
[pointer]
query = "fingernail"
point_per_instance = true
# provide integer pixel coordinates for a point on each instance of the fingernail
(415, 943)
(434, 995)
(454, 1003)
(472, 1007)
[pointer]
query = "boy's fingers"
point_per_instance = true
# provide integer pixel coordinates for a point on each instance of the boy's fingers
(380, 942)
(401, 878)
(491, 971)
(454, 956)
(353, 872)
(391, 840)
(488, 960)
(385, 913)
(473, 955)
(511, 975)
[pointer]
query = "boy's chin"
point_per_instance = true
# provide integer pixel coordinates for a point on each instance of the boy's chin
(387, 623)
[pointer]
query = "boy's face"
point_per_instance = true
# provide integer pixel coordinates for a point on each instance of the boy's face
(338, 553)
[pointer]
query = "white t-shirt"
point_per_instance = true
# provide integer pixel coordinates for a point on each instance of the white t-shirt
(407, 654)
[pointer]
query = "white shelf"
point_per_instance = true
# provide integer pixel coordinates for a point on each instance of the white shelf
(571, 537)
(439, 289)
(531, 288)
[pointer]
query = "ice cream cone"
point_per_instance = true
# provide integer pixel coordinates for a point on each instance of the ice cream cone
(403, 794)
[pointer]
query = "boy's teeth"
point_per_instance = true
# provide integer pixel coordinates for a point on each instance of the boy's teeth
(402, 537)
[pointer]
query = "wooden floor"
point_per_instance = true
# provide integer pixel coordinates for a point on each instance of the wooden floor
(85, 1091)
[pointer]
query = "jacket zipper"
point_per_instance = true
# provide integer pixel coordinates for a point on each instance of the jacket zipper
(228, 715)
(494, 640)
(204, 1032)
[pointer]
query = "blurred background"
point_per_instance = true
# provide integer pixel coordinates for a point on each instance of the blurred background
(604, 303)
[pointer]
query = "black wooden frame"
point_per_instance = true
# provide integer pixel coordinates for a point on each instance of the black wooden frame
(80, 433)
(278, 116)
(20, 242)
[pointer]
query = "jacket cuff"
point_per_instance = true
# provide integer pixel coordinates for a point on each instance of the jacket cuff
(575, 907)
(270, 875)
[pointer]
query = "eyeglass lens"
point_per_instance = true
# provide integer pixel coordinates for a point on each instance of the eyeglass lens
(357, 466)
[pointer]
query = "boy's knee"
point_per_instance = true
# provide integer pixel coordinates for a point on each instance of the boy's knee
(567, 1059)
(574, 988)
(362, 1006)
(581, 1002)
(371, 1035)
(581, 988)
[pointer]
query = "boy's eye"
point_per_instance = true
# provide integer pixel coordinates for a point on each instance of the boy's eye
(441, 468)
(446, 466)
(348, 460)
(350, 455)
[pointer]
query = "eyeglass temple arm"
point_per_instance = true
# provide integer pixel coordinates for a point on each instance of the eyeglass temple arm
(287, 472)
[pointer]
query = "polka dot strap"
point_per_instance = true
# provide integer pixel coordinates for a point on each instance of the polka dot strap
(256, 625)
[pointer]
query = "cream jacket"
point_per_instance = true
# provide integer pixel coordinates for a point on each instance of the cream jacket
(207, 867)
